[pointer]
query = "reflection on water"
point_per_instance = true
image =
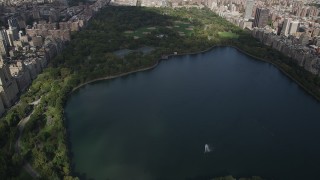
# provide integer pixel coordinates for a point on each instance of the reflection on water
(156, 124)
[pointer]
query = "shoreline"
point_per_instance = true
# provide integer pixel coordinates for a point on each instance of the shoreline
(116, 76)
(199, 52)
(281, 70)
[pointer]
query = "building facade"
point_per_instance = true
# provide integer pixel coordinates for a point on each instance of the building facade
(8, 87)
(261, 18)
(286, 26)
(293, 27)
(248, 11)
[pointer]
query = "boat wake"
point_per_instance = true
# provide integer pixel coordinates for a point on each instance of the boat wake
(208, 148)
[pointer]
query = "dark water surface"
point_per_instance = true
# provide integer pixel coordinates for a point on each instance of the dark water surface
(154, 125)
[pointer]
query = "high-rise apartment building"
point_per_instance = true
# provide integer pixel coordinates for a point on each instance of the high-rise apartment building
(4, 36)
(8, 87)
(286, 26)
(13, 35)
(261, 17)
(3, 48)
(249, 7)
(293, 27)
(13, 22)
(3, 43)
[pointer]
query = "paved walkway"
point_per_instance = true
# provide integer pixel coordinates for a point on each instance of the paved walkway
(17, 146)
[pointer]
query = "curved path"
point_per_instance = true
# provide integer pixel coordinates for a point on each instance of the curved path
(17, 146)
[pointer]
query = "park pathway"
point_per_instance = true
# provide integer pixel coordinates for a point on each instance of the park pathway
(17, 146)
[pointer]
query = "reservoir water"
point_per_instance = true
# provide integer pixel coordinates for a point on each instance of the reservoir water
(154, 125)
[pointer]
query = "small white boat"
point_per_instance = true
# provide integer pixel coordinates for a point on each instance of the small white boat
(207, 148)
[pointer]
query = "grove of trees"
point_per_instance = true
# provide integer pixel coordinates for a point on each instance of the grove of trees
(90, 55)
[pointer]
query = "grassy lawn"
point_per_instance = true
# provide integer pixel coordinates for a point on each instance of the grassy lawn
(183, 28)
(228, 35)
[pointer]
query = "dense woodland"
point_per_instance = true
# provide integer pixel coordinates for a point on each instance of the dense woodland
(90, 55)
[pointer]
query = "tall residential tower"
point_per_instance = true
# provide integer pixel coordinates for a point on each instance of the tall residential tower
(286, 26)
(261, 18)
(249, 7)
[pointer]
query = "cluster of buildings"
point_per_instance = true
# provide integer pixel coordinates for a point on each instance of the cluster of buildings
(36, 31)
(21, 2)
(295, 48)
(289, 26)
(163, 3)
(31, 37)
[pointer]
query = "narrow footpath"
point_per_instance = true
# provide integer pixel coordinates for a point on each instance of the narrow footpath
(33, 173)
